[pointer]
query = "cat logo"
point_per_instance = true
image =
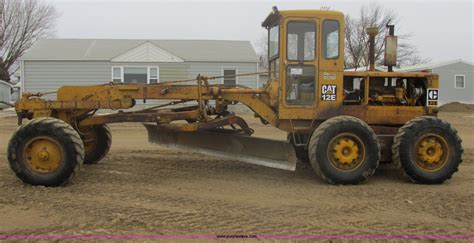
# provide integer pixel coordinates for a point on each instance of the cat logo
(432, 97)
(328, 92)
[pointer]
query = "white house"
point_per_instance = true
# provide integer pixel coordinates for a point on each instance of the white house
(52, 63)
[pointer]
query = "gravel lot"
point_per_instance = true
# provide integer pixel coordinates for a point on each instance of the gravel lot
(144, 188)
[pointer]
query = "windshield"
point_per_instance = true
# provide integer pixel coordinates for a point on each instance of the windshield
(301, 41)
(273, 42)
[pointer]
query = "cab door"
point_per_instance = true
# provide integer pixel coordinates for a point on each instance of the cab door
(299, 72)
(331, 64)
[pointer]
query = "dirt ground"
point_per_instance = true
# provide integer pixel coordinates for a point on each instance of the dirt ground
(143, 188)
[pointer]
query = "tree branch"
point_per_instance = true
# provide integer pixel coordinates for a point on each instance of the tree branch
(22, 23)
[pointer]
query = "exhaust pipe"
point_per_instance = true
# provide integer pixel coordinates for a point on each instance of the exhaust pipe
(372, 32)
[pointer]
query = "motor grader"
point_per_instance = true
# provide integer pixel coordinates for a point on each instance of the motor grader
(342, 122)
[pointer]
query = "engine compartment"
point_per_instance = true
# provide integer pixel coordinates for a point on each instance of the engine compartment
(383, 91)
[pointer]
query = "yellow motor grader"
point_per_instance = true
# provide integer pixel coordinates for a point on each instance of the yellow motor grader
(343, 123)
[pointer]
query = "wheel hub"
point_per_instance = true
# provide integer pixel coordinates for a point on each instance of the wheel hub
(43, 154)
(431, 151)
(345, 151)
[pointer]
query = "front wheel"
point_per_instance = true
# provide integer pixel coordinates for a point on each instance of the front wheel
(45, 151)
(427, 150)
(97, 141)
(344, 150)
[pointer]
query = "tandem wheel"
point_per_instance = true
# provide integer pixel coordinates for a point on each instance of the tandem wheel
(427, 150)
(97, 141)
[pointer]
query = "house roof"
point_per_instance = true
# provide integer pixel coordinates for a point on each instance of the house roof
(107, 49)
(365, 69)
(419, 67)
(432, 65)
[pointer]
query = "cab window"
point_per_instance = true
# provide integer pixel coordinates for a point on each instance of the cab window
(301, 41)
(331, 39)
(300, 85)
(273, 42)
(274, 68)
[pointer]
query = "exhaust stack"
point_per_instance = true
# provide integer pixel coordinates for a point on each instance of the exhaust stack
(372, 32)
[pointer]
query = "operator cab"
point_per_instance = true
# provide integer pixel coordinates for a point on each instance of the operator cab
(305, 54)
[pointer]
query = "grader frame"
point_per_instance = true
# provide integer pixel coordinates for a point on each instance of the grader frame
(74, 103)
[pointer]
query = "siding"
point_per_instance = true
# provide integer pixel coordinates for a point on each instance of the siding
(263, 79)
(46, 76)
(215, 69)
(5, 94)
(446, 78)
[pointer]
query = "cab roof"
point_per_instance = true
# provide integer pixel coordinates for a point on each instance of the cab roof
(275, 15)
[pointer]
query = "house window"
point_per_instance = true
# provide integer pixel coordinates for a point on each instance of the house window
(116, 74)
(459, 82)
(153, 75)
(229, 76)
(136, 75)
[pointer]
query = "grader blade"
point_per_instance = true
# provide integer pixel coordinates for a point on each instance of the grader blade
(260, 151)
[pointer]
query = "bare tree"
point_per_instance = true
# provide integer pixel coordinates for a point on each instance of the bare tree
(356, 38)
(22, 23)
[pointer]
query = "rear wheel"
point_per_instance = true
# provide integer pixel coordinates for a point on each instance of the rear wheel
(97, 140)
(427, 150)
(45, 151)
(344, 150)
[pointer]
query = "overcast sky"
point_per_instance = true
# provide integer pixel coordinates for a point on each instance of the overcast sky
(442, 30)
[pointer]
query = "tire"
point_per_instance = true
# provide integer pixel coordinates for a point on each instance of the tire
(45, 151)
(416, 150)
(97, 142)
(344, 150)
(301, 153)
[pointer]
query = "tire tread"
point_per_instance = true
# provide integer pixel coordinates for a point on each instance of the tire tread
(409, 128)
(61, 130)
(314, 140)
